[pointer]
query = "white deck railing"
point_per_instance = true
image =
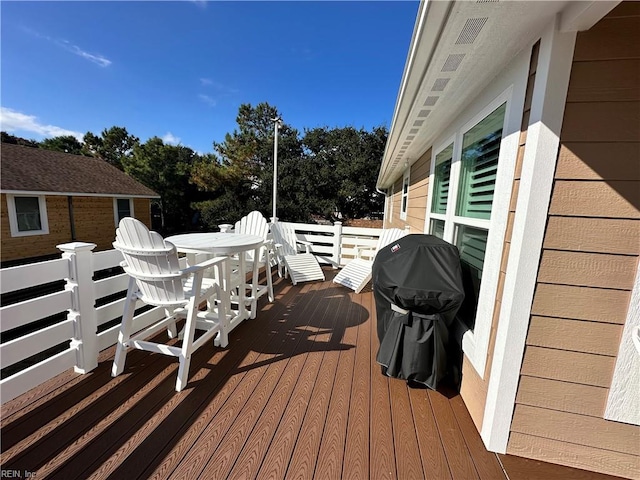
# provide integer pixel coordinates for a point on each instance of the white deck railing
(84, 323)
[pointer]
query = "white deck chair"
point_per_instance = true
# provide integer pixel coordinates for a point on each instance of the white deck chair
(357, 273)
(302, 267)
(255, 224)
(155, 278)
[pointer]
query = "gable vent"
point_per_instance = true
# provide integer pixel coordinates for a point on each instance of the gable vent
(430, 101)
(439, 84)
(471, 30)
(452, 62)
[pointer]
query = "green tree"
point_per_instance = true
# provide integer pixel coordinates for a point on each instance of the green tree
(114, 145)
(8, 138)
(167, 170)
(63, 143)
(240, 175)
(346, 163)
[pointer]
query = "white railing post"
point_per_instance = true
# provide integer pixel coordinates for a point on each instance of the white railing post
(337, 244)
(82, 313)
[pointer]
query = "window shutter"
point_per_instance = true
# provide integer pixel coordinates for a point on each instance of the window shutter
(481, 146)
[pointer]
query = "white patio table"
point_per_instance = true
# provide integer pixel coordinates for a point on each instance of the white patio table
(224, 244)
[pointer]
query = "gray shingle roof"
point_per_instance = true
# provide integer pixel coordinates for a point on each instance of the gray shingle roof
(38, 170)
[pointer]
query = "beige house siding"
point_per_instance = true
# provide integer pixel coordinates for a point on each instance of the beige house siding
(418, 191)
(589, 262)
(93, 219)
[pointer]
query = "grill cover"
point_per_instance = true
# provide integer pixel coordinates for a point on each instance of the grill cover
(417, 286)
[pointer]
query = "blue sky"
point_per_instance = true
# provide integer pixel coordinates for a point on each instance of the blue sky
(180, 70)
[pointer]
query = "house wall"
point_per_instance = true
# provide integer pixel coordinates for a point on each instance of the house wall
(93, 219)
(418, 190)
(588, 264)
(13, 248)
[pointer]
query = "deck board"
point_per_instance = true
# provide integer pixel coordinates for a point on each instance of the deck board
(296, 394)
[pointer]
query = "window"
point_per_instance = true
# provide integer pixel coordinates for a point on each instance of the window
(464, 181)
(122, 207)
(405, 195)
(27, 215)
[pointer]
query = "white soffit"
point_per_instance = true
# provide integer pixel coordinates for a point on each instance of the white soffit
(457, 49)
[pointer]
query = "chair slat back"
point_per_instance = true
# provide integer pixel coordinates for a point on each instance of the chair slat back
(151, 261)
(389, 235)
(252, 224)
(285, 235)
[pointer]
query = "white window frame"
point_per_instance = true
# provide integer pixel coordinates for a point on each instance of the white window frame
(115, 208)
(475, 343)
(13, 217)
(509, 88)
(404, 205)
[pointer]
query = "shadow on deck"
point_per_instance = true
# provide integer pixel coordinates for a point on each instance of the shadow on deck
(297, 393)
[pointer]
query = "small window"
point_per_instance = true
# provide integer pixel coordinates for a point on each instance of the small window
(405, 196)
(442, 176)
(27, 215)
(122, 207)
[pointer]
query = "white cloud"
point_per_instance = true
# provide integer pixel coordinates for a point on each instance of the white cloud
(13, 121)
(95, 58)
(171, 139)
(205, 82)
(200, 3)
(208, 100)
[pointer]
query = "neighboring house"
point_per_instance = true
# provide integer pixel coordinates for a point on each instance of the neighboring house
(516, 136)
(49, 198)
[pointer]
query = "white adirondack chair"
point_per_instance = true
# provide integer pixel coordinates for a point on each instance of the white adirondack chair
(357, 273)
(255, 224)
(302, 267)
(155, 278)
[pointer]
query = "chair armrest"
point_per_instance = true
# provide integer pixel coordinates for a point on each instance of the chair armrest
(360, 252)
(203, 265)
(307, 245)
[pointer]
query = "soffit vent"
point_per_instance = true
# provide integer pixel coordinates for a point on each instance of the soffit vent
(414, 131)
(424, 113)
(487, 1)
(471, 30)
(452, 62)
(410, 137)
(418, 123)
(439, 84)
(430, 101)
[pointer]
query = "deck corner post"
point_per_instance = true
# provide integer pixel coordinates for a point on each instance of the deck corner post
(337, 244)
(82, 313)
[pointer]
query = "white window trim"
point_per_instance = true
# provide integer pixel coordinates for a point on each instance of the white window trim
(475, 344)
(407, 180)
(115, 208)
(13, 217)
(534, 196)
(623, 403)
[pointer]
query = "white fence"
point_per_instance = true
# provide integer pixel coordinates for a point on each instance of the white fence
(92, 306)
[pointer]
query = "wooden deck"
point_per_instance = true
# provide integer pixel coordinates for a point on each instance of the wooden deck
(297, 394)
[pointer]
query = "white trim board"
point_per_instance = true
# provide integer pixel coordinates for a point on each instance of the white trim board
(541, 151)
(623, 403)
(74, 194)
